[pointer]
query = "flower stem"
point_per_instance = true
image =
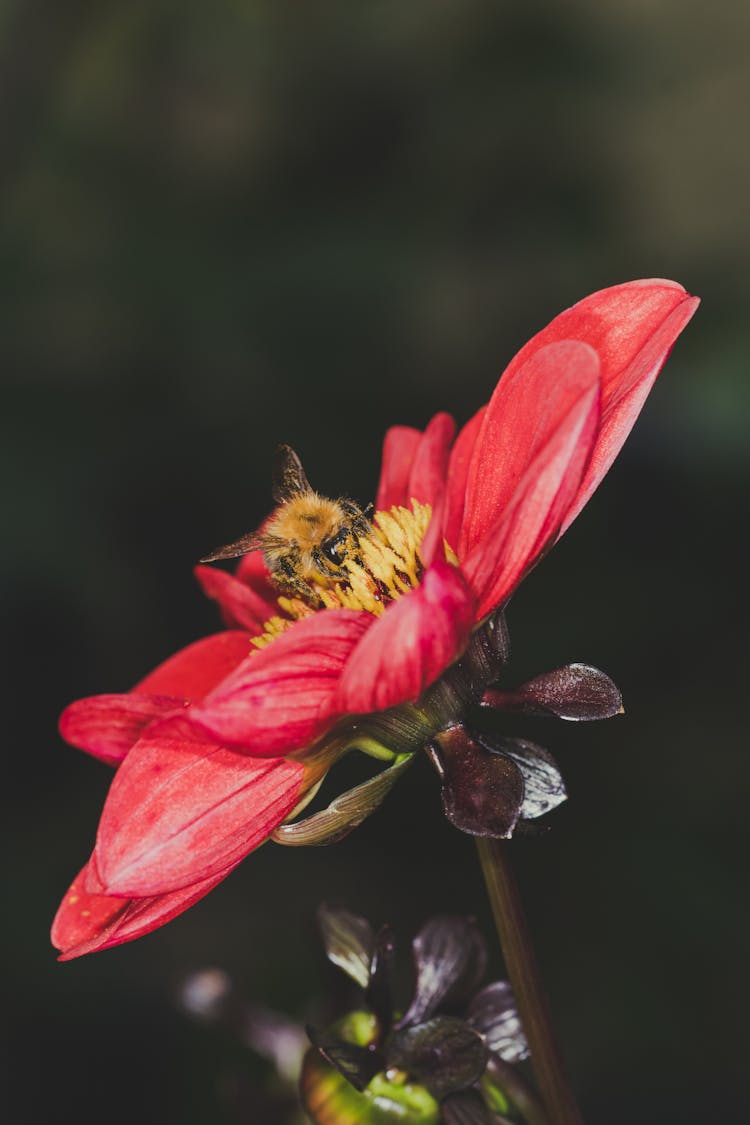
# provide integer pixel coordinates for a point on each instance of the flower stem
(520, 962)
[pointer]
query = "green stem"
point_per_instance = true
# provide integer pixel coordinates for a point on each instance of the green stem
(520, 962)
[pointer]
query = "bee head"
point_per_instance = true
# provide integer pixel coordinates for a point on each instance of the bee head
(334, 548)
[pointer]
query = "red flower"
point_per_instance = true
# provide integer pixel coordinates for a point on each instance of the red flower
(220, 744)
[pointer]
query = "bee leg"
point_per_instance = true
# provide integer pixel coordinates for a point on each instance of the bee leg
(362, 525)
(287, 578)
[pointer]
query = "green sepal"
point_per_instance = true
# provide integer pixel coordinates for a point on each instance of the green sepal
(329, 1099)
(344, 813)
(494, 1097)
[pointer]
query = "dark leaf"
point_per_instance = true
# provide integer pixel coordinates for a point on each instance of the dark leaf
(349, 942)
(450, 959)
(494, 1014)
(444, 1054)
(577, 692)
(482, 791)
(543, 786)
(344, 813)
(467, 1108)
(380, 988)
(488, 651)
(358, 1065)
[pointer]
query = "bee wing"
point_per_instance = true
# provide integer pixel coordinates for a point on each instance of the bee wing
(288, 475)
(250, 542)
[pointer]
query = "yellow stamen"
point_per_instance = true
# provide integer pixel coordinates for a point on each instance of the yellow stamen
(272, 629)
(385, 565)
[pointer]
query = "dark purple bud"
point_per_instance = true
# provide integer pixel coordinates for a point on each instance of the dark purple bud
(468, 1108)
(444, 1054)
(349, 942)
(358, 1065)
(494, 1015)
(450, 959)
(543, 786)
(379, 993)
(482, 791)
(577, 692)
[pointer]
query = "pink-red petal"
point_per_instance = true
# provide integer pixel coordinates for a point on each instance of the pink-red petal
(617, 322)
(283, 697)
(626, 390)
(82, 916)
(196, 669)
(428, 470)
(530, 402)
(552, 468)
(252, 570)
(107, 726)
(241, 607)
(620, 323)
(457, 477)
(86, 923)
(410, 645)
(399, 450)
(180, 811)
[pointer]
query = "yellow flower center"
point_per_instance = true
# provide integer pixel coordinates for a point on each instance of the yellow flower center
(384, 565)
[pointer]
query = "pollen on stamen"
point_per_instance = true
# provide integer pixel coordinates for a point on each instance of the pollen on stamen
(386, 565)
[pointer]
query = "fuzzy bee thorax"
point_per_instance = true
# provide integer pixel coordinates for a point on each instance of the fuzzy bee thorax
(305, 521)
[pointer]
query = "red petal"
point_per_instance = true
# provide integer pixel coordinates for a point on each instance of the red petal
(427, 476)
(107, 726)
(410, 645)
(399, 449)
(180, 811)
(531, 400)
(619, 323)
(457, 477)
(432, 546)
(241, 607)
(252, 570)
(616, 322)
(630, 369)
(86, 922)
(195, 670)
(282, 697)
(82, 916)
(564, 378)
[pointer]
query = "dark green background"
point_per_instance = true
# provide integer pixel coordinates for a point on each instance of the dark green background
(232, 224)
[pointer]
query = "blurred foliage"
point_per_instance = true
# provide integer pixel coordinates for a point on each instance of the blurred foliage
(224, 226)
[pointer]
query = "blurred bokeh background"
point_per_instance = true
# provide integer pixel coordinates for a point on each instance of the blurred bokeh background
(232, 224)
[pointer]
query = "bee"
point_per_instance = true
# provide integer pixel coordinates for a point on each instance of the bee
(308, 538)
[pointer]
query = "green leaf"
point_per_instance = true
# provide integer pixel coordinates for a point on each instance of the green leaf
(345, 812)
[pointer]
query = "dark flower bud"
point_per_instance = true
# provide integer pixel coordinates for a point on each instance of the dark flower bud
(434, 1063)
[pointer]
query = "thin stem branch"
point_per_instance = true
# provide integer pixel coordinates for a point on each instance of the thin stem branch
(549, 1070)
